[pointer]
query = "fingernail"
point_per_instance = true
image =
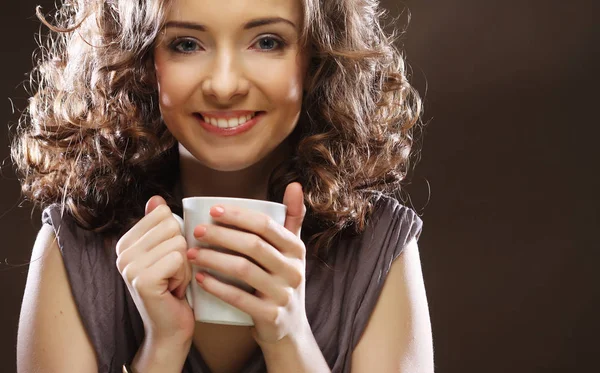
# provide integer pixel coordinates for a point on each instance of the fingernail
(200, 277)
(200, 231)
(192, 253)
(217, 211)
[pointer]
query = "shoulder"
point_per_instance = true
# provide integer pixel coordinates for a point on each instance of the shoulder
(390, 230)
(398, 334)
(72, 238)
(391, 226)
(56, 215)
(83, 278)
(50, 327)
(56, 218)
(387, 230)
(397, 328)
(390, 211)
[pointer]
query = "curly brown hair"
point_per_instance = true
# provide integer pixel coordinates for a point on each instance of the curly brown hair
(92, 138)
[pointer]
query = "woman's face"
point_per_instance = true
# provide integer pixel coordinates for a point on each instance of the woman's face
(225, 59)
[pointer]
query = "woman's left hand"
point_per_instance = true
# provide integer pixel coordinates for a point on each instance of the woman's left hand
(277, 307)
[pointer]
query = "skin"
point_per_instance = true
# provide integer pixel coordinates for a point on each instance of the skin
(224, 71)
(230, 68)
(226, 66)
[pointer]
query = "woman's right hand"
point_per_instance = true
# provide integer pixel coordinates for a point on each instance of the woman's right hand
(151, 258)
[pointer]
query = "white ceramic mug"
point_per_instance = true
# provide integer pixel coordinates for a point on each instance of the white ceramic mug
(196, 210)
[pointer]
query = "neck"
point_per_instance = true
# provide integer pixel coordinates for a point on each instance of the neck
(252, 182)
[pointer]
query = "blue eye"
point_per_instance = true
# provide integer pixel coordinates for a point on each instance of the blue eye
(269, 43)
(185, 46)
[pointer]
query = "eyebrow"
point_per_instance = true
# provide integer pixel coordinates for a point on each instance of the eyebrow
(249, 25)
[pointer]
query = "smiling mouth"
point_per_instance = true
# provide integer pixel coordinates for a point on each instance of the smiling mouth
(228, 122)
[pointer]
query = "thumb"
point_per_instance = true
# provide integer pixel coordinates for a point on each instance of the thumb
(153, 203)
(293, 199)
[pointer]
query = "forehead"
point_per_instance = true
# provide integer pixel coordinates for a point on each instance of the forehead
(233, 10)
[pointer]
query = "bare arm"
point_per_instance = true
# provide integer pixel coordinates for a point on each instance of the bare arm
(398, 336)
(51, 336)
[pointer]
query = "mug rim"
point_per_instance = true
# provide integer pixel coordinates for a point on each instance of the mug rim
(232, 199)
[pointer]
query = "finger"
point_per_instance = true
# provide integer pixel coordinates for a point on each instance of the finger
(153, 203)
(259, 224)
(255, 307)
(245, 243)
(157, 215)
(144, 261)
(164, 230)
(175, 243)
(293, 199)
(242, 269)
(154, 281)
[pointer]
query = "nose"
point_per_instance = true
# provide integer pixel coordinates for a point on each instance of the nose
(225, 79)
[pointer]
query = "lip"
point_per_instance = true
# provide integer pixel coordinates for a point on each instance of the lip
(228, 114)
(229, 131)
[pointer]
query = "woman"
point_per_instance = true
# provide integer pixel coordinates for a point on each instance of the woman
(139, 104)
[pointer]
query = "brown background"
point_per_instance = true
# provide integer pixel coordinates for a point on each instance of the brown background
(508, 248)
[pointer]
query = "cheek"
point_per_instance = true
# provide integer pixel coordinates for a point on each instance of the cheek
(174, 85)
(285, 86)
(294, 91)
(295, 80)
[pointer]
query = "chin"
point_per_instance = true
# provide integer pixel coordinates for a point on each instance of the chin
(228, 163)
(217, 163)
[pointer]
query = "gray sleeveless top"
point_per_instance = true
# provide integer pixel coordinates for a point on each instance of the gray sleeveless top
(340, 297)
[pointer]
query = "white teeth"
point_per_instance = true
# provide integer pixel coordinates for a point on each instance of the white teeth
(228, 123)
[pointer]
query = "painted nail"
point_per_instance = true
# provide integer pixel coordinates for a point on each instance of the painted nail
(217, 211)
(192, 254)
(200, 231)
